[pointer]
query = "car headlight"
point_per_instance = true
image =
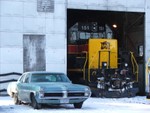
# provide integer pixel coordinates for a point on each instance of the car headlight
(87, 92)
(41, 92)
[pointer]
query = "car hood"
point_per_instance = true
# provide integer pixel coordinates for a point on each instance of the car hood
(60, 86)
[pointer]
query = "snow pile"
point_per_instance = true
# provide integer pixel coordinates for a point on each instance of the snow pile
(137, 104)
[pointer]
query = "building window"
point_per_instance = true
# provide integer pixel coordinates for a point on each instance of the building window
(45, 6)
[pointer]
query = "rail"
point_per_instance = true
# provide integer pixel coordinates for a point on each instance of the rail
(134, 65)
(90, 63)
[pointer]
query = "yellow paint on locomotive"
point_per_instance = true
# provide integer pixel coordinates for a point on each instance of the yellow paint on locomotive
(102, 50)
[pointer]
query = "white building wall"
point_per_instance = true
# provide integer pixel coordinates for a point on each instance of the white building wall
(147, 31)
(11, 29)
(113, 5)
(19, 17)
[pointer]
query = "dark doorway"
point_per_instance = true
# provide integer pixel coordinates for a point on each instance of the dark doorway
(129, 32)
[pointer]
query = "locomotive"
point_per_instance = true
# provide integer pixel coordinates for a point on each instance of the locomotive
(94, 59)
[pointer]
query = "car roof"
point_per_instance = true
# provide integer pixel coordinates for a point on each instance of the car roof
(41, 72)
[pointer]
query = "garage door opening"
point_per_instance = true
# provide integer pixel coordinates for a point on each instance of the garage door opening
(125, 27)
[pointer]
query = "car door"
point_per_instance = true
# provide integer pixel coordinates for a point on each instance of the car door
(20, 88)
(26, 86)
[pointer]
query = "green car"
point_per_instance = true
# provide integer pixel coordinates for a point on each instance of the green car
(38, 88)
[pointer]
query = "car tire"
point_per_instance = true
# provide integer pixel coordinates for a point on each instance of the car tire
(16, 100)
(34, 103)
(78, 105)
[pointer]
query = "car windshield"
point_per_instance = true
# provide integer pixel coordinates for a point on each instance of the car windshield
(49, 77)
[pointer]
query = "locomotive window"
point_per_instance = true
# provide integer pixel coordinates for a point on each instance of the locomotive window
(140, 50)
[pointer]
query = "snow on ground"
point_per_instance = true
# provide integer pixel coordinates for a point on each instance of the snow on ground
(137, 104)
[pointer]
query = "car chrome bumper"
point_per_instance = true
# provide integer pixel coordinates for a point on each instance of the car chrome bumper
(60, 100)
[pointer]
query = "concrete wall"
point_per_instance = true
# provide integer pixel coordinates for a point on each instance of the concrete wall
(19, 17)
(147, 31)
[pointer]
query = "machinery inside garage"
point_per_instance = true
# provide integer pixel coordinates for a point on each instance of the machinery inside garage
(106, 51)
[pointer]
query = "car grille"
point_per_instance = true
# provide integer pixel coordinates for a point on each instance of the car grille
(53, 94)
(69, 94)
(75, 94)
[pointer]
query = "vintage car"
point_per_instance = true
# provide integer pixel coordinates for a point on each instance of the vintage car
(39, 88)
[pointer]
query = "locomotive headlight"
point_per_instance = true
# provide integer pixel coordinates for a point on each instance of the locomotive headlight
(126, 65)
(105, 64)
(114, 25)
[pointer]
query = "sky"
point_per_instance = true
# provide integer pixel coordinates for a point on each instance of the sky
(136, 104)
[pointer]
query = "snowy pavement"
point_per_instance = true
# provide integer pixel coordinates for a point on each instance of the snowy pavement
(137, 104)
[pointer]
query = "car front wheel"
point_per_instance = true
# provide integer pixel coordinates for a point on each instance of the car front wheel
(78, 105)
(16, 100)
(34, 103)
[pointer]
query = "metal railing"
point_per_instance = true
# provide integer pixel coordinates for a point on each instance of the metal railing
(89, 67)
(84, 67)
(134, 66)
(5, 80)
(148, 75)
